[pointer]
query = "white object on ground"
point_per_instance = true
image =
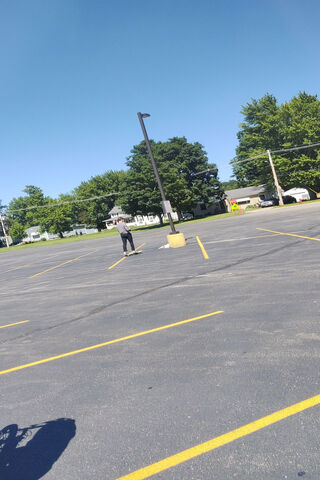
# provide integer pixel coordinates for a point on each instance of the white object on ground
(165, 246)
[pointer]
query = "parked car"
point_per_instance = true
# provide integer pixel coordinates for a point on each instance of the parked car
(288, 199)
(187, 216)
(269, 202)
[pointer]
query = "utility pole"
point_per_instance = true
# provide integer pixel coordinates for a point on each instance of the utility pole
(275, 178)
(141, 116)
(4, 231)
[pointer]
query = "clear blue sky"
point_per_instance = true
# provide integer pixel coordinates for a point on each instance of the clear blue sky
(74, 74)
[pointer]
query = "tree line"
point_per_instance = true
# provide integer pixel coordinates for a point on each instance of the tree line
(134, 190)
(266, 125)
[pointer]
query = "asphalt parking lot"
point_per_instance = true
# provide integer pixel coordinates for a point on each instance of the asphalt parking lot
(228, 388)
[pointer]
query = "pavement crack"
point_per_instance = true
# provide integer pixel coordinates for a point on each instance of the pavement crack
(183, 279)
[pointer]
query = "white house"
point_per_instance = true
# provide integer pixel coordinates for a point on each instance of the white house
(137, 220)
(33, 233)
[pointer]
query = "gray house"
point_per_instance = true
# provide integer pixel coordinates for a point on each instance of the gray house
(215, 207)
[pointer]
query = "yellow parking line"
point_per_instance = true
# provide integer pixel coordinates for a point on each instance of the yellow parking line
(11, 324)
(116, 263)
(204, 253)
(224, 439)
(61, 264)
(289, 234)
(123, 258)
(117, 340)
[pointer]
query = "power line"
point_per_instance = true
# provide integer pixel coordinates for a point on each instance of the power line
(205, 171)
(310, 145)
(235, 161)
(49, 205)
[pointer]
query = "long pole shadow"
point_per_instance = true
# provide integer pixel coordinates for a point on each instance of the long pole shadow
(29, 453)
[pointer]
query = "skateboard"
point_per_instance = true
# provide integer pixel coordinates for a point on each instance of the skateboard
(135, 252)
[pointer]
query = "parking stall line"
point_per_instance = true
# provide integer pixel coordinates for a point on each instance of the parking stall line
(203, 250)
(61, 264)
(224, 439)
(110, 342)
(123, 258)
(12, 324)
(289, 234)
(240, 238)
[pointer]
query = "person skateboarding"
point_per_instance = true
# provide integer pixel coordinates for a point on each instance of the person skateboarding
(125, 235)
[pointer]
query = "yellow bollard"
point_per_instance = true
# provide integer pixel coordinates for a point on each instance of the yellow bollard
(176, 240)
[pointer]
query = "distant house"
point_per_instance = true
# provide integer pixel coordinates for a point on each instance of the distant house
(136, 220)
(202, 210)
(33, 233)
(246, 196)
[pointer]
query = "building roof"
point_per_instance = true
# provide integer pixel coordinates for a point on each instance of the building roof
(116, 211)
(33, 229)
(295, 191)
(246, 192)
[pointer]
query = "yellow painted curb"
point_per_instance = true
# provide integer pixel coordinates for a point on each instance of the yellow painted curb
(176, 240)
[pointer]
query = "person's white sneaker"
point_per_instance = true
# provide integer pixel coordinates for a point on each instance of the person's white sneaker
(125, 254)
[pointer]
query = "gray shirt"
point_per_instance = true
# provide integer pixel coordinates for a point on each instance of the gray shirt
(122, 227)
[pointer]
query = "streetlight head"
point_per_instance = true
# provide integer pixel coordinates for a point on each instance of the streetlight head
(144, 115)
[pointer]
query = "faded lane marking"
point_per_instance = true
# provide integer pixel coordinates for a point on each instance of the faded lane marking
(224, 439)
(12, 324)
(238, 239)
(17, 268)
(117, 340)
(289, 234)
(204, 253)
(61, 264)
(123, 258)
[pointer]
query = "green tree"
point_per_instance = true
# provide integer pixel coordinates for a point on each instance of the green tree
(16, 230)
(267, 125)
(58, 216)
(178, 161)
(300, 125)
(230, 185)
(259, 131)
(23, 209)
(93, 212)
(140, 194)
(17, 210)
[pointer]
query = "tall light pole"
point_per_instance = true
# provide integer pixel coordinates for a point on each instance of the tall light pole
(141, 116)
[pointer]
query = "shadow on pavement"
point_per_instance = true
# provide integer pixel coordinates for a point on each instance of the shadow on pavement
(29, 453)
